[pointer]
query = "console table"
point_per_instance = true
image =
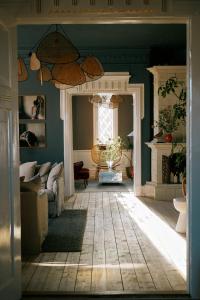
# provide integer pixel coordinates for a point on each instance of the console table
(110, 176)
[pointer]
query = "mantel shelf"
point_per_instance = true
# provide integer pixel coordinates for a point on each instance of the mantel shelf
(162, 146)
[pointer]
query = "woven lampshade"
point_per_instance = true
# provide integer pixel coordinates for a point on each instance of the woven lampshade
(34, 62)
(44, 74)
(96, 99)
(60, 86)
(22, 71)
(69, 74)
(114, 101)
(92, 67)
(55, 48)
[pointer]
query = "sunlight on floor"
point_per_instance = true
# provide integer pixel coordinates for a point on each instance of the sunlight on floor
(168, 242)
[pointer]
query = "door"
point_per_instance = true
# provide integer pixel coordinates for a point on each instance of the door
(10, 259)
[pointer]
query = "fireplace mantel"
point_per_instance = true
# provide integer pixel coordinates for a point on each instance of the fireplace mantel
(156, 188)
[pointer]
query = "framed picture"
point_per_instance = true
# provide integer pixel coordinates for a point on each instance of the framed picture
(32, 135)
(32, 107)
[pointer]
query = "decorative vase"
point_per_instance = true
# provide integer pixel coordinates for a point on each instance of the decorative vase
(109, 164)
(168, 138)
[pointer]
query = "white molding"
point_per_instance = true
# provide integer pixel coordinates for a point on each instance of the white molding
(117, 83)
(115, 123)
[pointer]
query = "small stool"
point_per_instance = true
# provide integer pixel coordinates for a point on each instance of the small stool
(180, 206)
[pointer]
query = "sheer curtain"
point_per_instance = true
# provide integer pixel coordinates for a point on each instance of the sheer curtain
(66, 116)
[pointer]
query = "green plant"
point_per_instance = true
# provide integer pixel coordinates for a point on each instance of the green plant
(168, 121)
(177, 161)
(178, 89)
(113, 150)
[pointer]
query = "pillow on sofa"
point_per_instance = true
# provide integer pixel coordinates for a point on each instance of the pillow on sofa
(44, 172)
(31, 186)
(53, 175)
(27, 170)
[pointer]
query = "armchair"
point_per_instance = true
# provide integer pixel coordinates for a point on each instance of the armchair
(81, 173)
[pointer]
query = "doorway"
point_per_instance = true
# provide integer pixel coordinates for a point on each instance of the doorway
(137, 190)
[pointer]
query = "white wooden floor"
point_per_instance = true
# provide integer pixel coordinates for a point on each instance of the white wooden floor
(127, 247)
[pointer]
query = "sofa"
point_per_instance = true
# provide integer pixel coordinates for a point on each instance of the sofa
(34, 217)
(51, 183)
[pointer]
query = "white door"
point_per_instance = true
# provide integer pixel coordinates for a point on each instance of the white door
(10, 258)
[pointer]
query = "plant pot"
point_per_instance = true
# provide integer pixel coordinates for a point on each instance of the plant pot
(168, 138)
(129, 172)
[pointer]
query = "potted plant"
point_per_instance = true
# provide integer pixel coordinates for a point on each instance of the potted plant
(177, 163)
(178, 89)
(171, 117)
(168, 122)
(112, 153)
(128, 146)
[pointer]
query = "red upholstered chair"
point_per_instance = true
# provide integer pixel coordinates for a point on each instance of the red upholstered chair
(81, 173)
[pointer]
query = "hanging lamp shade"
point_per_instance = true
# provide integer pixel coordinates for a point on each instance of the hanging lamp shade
(96, 99)
(92, 67)
(34, 62)
(55, 48)
(22, 71)
(60, 86)
(69, 74)
(44, 74)
(116, 99)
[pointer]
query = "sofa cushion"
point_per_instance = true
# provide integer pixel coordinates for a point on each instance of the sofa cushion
(27, 170)
(44, 173)
(31, 186)
(44, 168)
(53, 175)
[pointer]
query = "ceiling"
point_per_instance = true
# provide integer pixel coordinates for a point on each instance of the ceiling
(107, 36)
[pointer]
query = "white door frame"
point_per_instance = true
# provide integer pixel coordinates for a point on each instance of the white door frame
(116, 83)
(175, 13)
(10, 221)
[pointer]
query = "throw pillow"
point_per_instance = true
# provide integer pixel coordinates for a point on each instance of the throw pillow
(53, 175)
(27, 170)
(44, 168)
(44, 173)
(31, 186)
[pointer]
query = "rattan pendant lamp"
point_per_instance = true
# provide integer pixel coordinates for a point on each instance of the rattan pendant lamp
(60, 62)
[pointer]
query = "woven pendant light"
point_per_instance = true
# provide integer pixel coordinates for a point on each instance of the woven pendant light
(55, 48)
(92, 67)
(69, 74)
(60, 86)
(34, 62)
(44, 74)
(96, 99)
(22, 71)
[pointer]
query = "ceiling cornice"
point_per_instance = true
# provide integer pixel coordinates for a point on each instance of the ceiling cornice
(94, 11)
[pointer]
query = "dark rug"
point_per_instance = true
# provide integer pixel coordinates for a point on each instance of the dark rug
(66, 232)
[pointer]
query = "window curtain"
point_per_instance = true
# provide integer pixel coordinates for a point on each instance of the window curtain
(66, 116)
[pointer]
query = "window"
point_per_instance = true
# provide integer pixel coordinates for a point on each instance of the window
(105, 123)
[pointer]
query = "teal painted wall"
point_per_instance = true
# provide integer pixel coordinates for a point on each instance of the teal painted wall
(134, 61)
(54, 125)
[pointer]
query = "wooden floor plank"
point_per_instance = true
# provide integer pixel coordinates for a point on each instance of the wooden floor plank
(117, 254)
(39, 277)
(68, 280)
(55, 273)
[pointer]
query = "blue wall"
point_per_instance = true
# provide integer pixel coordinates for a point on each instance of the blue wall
(54, 125)
(134, 61)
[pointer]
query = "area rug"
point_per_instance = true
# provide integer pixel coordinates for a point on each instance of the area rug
(66, 232)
